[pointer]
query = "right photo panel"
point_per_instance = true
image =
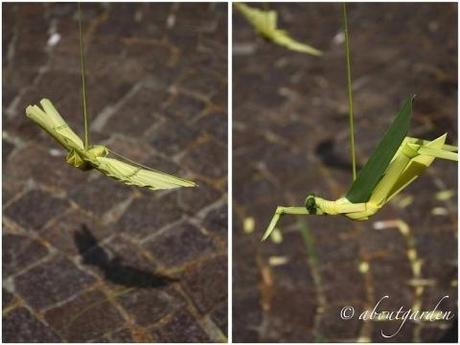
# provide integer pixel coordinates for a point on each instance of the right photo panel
(345, 172)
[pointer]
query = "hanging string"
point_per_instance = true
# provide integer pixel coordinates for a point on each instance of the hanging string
(83, 80)
(350, 98)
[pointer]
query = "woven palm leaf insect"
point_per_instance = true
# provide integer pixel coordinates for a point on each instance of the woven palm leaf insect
(83, 156)
(396, 162)
(265, 24)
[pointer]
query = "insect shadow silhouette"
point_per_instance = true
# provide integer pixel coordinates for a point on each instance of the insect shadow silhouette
(326, 152)
(114, 269)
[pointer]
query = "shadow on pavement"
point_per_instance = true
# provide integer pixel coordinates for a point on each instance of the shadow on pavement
(327, 153)
(113, 268)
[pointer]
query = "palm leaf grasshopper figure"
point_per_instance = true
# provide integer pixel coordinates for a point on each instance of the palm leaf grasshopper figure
(396, 162)
(83, 156)
(265, 24)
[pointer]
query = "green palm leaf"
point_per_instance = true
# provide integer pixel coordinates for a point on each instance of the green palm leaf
(373, 170)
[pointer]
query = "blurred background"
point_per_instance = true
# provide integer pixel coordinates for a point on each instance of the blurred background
(86, 258)
(290, 125)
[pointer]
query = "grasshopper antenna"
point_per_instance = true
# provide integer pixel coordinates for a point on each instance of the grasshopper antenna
(83, 79)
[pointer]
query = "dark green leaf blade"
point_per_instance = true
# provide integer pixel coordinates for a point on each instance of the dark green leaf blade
(373, 170)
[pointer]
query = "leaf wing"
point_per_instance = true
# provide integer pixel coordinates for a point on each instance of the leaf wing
(263, 21)
(282, 38)
(362, 188)
(52, 122)
(416, 167)
(134, 175)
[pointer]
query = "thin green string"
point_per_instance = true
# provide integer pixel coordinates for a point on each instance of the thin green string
(83, 80)
(350, 97)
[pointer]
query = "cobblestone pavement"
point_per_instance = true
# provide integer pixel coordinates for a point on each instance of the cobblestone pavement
(86, 258)
(291, 137)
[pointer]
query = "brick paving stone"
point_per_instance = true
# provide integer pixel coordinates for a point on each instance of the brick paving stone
(100, 195)
(179, 245)
(295, 261)
(61, 233)
(343, 250)
(399, 294)
(283, 274)
(206, 282)
(147, 215)
(247, 317)
(129, 252)
(209, 54)
(137, 151)
(7, 37)
(433, 332)
(184, 38)
(27, 43)
(245, 275)
(170, 139)
(51, 282)
(7, 298)
(62, 88)
(445, 248)
(85, 317)
(185, 108)
(20, 326)
(148, 306)
(44, 206)
(344, 282)
(101, 97)
(19, 252)
(216, 221)
(253, 195)
(193, 202)
(221, 98)
(206, 84)
(329, 327)
(7, 148)
(388, 240)
(139, 111)
(182, 327)
(154, 57)
(37, 163)
(207, 159)
(163, 68)
(289, 318)
(208, 123)
(121, 336)
(122, 22)
(219, 316)
(168, 166)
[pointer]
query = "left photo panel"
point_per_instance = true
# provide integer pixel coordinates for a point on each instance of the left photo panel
(114, 172)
